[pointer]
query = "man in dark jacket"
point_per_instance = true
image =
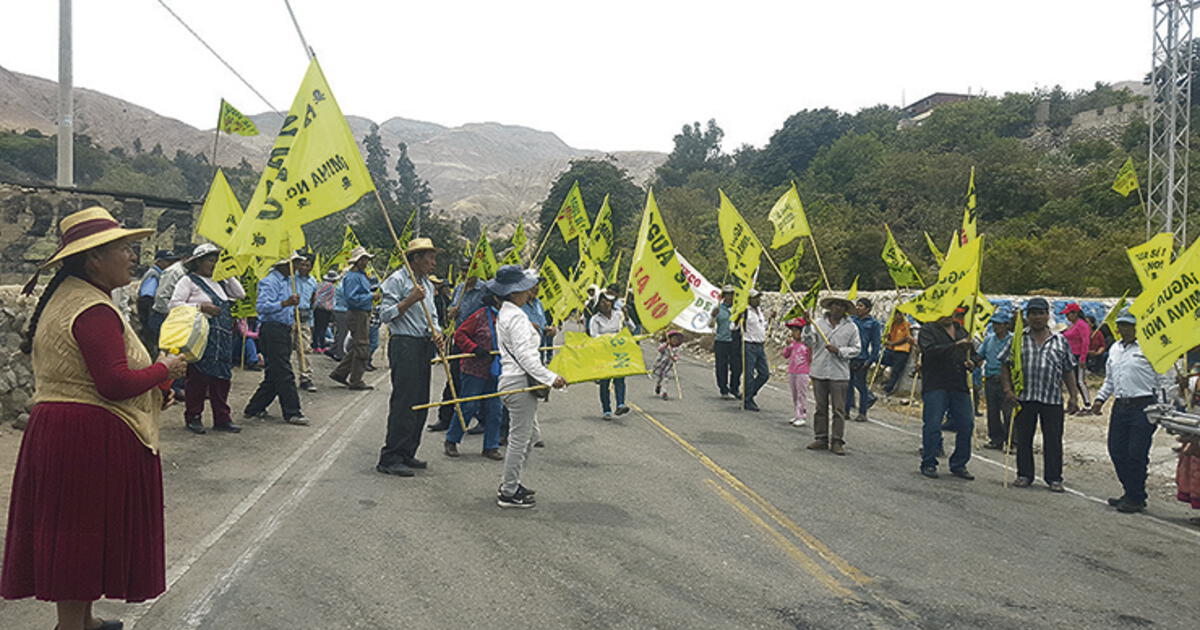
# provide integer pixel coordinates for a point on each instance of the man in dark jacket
(947, 359)
(870, 333)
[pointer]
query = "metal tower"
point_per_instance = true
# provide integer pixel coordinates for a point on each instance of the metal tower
(1170, 104)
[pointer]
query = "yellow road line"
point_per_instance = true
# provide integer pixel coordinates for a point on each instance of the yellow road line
(801, 558)
(845, 568)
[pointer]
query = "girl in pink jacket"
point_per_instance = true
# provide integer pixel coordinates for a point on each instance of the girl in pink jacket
(798, 355)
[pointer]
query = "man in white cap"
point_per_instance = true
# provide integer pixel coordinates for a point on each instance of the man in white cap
(1132, 383)
(754, 329)
(277, 317)
(356, 287)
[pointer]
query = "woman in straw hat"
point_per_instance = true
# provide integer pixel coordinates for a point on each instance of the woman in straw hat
(210, 376)
(86, 515)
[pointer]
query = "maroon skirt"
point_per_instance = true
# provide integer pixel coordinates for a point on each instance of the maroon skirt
(85, 520)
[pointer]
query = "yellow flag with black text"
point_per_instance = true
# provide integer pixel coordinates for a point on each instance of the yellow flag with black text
(314, 169)
(519, 239)
(788, 217)
(349, 243)
(483, 261)
(600, 241)
(852, 294)
(221, 212)
(789, 267)
(938, 256)
(900, 268)
(233, 121)
(1168, 311)
(1152, 257)
(572, 219)
(1127, 179)
(970, 219)
(583, 358)
(555, 292)
(661, 290)
(743, 252)
(957, 285)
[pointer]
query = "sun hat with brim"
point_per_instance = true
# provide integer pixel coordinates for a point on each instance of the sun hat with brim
(89, 229)
(727, 289)
(202, 250)
(330, 276)
(511, 279)
(359, 253)
(166, 254)
(295, 257)
(799, 322)
(436, 280)
(420, 245)
(837, 300)
(1126, 317)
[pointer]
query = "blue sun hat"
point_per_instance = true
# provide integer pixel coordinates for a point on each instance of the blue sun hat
(511, 279)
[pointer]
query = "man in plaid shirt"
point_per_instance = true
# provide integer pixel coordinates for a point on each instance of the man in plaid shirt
(1048, 363)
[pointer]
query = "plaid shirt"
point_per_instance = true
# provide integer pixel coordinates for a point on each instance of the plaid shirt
(1044, 367)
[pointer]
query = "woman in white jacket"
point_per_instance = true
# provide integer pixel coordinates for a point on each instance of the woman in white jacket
(210, 376)
(520, 366)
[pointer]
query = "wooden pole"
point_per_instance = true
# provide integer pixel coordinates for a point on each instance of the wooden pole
(428, 316)
(538, 252)
(820, 265)
(457, 400)
(675, 371)
(467, 355)
(1012, 421)
(787, 285)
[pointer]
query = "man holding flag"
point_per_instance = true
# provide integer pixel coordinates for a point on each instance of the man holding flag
(834, 341)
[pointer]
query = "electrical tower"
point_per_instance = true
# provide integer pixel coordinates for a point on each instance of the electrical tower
(1170, 106)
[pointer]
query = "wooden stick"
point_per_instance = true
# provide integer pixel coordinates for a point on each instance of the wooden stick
(1012, 422)
(467, 355)
(787, 285)
(912, 392)
(424, 309)
(456, 401)
(675, 371)
(820, 265)
(538, 252)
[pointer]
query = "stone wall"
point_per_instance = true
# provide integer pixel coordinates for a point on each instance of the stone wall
(29, 217)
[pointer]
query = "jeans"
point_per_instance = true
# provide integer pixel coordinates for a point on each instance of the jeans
(729, 365)
(547, 341)
(999, 410)
(859, 369)
(1027, 418)
(830, 396)
(488, 410)
(935, 405)
(275, 342)
(523, 433)
(756, 370)
(1129, 437)
(409, 360)
(899, 361)
(618, 385)
(354, 364)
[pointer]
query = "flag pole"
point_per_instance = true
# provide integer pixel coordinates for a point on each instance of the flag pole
(538, 251)
(788, 285)
(424, 309)
(817, 254)
(217, 135)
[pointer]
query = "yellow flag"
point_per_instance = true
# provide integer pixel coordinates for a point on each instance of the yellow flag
(483, 262)
(519, 239)
(318, 270)
(616, 269)
(900, 268)
(314, 169)
(587, 273)
(979, 315)
(247, 306)
(407, 234)
(788, 217)
(227, 267)
(1110, 319)
(349, 243)
(789, 267)
(661, 290)
(1150, 258)
(1168, 311)
(938, 257)
(852, 294)
(233, 121)
(970, 217)
(743, 252)
(1127, 179)
(221, 212)
(1018, 351)
(601, 240)
(394, 261)
(556, 294)
(585, 358)
(572, 218)
(957, 285)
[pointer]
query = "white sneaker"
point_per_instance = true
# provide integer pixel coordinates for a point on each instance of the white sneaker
(798, 422)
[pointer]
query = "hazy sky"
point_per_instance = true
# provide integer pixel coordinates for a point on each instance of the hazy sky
(604, 75)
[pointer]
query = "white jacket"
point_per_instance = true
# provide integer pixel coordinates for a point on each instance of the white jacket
(518, 342)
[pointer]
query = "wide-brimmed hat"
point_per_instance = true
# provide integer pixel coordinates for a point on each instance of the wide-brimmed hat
(166, 254)
(331, 276)
(799, 322)
(1126, 317)
(202, 250)
(295, 257)
(420, 245)
(833, 299)
(88, 229)
(436, 280)
(358, 253)
(511, 279)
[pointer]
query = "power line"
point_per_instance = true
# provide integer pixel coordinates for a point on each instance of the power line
(274, 110)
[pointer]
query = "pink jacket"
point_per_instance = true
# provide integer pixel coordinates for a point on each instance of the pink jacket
(1079, 337)
(798, 355)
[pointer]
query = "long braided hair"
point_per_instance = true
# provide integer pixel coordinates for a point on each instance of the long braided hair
(71, 266)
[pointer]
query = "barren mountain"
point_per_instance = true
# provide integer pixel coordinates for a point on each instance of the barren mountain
(488, 169)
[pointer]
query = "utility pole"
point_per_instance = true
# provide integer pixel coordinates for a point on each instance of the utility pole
(1170, 108)
(66, 100)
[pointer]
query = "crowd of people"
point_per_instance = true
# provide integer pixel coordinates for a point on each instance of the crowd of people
(99, 393)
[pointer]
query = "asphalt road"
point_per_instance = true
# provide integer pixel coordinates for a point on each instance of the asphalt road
(681, 514)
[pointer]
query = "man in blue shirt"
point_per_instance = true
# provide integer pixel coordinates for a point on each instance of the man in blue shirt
(276, 316)
(727, 346)
(356, 287)
(466, 299)
(999, 408)
(870, 333)
(306, 288)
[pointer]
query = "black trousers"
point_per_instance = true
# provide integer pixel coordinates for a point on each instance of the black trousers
(1130, 434)
(729, 364)
(1051, 417)
(999, 410)
(447, 413)
(275, 342)
(321, 320)
(409, 360)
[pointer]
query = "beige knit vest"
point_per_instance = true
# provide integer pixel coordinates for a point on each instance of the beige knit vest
(60, 374)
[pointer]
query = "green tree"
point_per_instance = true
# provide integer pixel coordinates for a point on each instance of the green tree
(695, 149)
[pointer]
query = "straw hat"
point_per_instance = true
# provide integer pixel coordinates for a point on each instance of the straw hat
(420, 245)
(295, 257)
(358, 253)
(88, 229)
(847, 304)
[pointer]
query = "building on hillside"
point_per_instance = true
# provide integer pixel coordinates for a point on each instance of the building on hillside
(916, 113)
(30, 214)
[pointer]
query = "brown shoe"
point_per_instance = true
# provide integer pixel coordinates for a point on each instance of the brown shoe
(837, 448)
(817, 445)
(451, 449)
(493, 453)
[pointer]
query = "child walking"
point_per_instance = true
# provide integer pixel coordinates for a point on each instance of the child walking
(664, 365)
(798, 355)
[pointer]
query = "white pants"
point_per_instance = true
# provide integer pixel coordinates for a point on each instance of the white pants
(523, 432)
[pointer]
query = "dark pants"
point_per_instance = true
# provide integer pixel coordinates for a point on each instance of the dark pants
(409, 360)
(1051, 417)
(488, 410)
(1129, 436)
(155, 321)
(936, 404)
(201, 387)
(321, 319)
(757, 372)
(898, 361)
(275, 343)
(999, 410)
(729, 365)
(448, 414)
(340, 330)
(354, 364)
(860, 369)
